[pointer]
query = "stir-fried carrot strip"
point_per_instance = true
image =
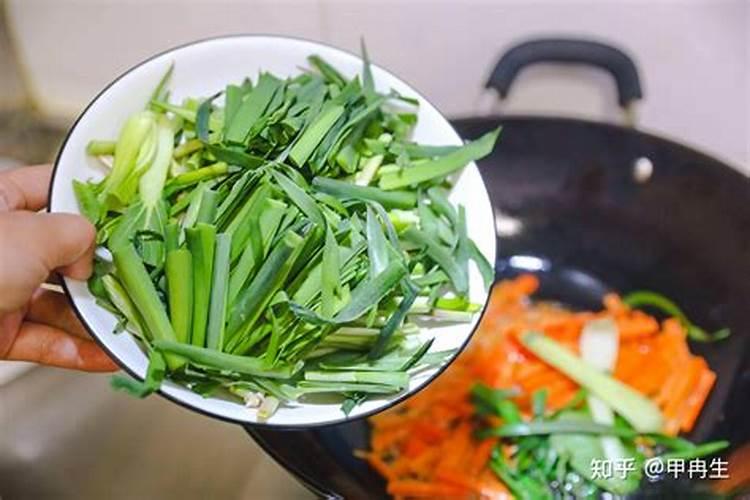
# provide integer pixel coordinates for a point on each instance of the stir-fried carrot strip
(673, 333)
(563, 329)
(561, 398)
(672, 344)
(496, 368)
(384, 440)
(460, 445)
(429, 432)
(681, 392)
(491, 488)
(690, 375)
(636, 325)
(650, 382)
(614, 305)
(530, 369)
(524, 285)
(388, 419)
(630, 359)
(668, 388)
(421, 466)
(414, 447)
(481, 455)
(458, 478)
(543, 380)
(697, 399)
(425, 447)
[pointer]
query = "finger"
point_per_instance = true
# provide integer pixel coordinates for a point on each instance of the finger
(40, 244)
(25, 188)
(9, 324)
(74, 241)
(53, 309)
(49, 346)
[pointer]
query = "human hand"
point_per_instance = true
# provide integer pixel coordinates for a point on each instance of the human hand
(38, 324)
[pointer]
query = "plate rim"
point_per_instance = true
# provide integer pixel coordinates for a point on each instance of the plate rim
(268, 424)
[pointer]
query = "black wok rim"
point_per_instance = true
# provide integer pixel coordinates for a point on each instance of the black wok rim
(315, 484)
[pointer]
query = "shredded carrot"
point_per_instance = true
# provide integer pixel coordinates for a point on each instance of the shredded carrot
(614, 305)
(630, 358)
(542, 379)
(491, 488)
(559, 399)
(636, 325)
(697, 399)
(460, 446)
(650, 381)
(481, 456)
(681, 392)
(524, 371)
(458, 478)
(425, 447)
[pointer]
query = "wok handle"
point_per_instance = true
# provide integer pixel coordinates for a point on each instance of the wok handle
(568, 51)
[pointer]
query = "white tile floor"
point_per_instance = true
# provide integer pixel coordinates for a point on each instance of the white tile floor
(67, 435)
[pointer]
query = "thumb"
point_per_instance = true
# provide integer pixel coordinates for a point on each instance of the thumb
(61, 242)
(39, 243)
(33, 245)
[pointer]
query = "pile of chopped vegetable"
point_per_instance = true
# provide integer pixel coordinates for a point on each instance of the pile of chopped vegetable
(540, 393)
(277, 239)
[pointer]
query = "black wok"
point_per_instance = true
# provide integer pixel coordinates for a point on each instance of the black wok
(571, 207)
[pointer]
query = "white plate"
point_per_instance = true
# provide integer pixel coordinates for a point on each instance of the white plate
(201, 69)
